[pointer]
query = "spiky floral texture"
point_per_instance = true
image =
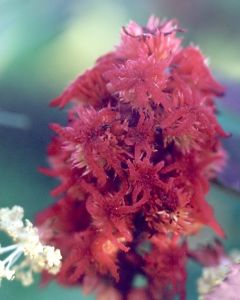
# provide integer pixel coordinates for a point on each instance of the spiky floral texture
(134, 163)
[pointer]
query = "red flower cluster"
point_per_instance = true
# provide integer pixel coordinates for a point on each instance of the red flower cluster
(134, 163)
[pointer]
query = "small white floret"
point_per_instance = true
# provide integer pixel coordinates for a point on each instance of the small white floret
(36, 256)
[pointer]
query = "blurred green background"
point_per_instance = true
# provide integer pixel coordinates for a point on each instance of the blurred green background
(45, 44)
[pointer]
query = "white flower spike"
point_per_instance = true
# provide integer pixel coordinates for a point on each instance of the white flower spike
(36, 256)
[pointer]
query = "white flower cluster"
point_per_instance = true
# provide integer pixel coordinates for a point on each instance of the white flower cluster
(36, 256)
(213, 277)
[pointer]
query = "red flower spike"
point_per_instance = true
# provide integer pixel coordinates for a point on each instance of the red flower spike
(165, 266)
(89, 140)
(62, 219)
(156, 39)
(206, 211)
(172, 213)
(141, 136)
(144, 177)
(106, 211)
(138, 81)
(191, 66)
(134, 162)
(186, 126)
(89, 253)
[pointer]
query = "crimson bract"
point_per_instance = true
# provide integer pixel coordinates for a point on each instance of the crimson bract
(134, 162)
